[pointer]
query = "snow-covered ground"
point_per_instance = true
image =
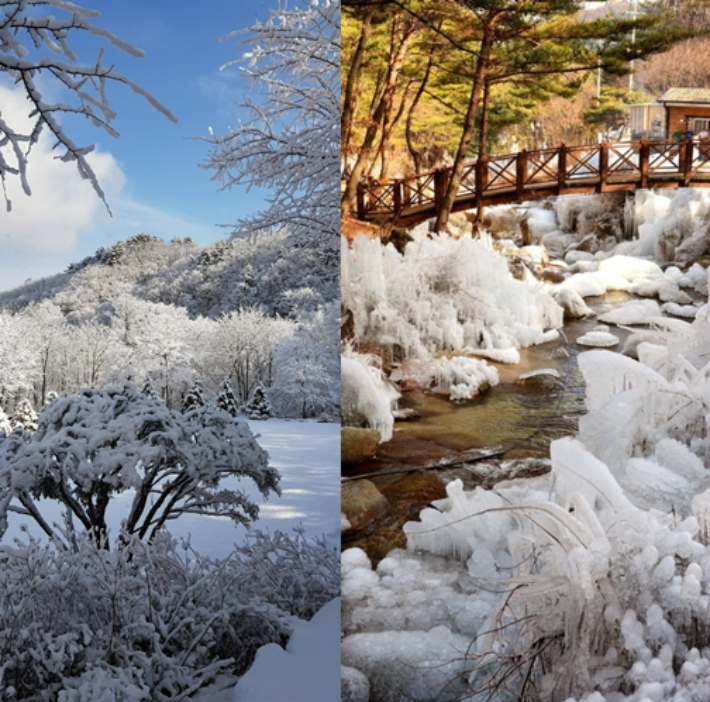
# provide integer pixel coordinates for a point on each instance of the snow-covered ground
(307, 454)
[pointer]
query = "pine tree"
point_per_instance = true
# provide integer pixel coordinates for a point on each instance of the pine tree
(259, 406)
(194, 398)
(226, 400)
(24, 416)
(148, 389)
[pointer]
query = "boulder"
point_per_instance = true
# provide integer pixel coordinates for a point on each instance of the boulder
(357, 445)
(361, 503)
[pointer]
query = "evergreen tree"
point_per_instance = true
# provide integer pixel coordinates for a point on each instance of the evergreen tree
(259, 406)
(24, 416)
(52, 395)
(194, 398)
(148, 389)
(226, 400)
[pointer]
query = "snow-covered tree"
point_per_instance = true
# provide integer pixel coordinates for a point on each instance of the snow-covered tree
(306, 380)
(52, 395)
(244, 346)
(4, 422)
(291, 144)
(101, 443)
(36, 54)
(148, 388)
(226, 400)
(24, 416)
(258, 406)
(195, 398)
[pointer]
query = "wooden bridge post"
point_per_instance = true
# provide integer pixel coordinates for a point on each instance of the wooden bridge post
(441, 183)
(397, 196)
(361, 201)
(644, 159)
(561, 168)
(521, 173)
(603, 165)
(688, 162)
(481, 180)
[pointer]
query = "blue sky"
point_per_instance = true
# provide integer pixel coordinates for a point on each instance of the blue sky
(151, 173)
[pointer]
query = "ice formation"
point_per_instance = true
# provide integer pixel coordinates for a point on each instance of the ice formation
(596, 577)
(458, 377)
(367, 397)
(441, 295)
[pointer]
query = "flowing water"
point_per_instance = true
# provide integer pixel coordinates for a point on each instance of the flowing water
(515, 420)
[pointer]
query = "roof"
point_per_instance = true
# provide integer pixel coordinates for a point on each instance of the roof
(688, 95)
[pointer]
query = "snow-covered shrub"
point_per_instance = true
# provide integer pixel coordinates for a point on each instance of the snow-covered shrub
(441, 294)
(151, 621)
(101, 443)
(367, 397)
(5, 425)
(293, 573)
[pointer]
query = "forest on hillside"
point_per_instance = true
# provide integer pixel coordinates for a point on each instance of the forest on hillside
(256, 311)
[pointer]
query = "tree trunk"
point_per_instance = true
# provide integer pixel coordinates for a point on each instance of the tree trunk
(482, 67)
(351, 96)
(415, 153)
(483, 140)
(364, 158)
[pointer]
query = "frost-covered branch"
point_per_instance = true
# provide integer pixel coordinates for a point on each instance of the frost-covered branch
(291, 143)
(35, 51)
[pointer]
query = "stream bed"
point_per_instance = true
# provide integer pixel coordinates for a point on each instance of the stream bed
(515, 421)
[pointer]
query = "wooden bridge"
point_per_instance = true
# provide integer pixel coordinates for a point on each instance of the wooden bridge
(530, 175)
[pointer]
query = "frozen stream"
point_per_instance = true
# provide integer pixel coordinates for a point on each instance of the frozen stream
(521, 419)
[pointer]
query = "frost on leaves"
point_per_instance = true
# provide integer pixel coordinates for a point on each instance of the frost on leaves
(36, 54)
(100, 443)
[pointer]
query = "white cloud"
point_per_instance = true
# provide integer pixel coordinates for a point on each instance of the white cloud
(62, 204)
(64, 220)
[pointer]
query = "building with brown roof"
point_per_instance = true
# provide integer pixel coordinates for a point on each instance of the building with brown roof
(687, 111)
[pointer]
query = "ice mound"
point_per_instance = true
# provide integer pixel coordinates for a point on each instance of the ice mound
(409, 666)
(598, 338)
(459, 377)
(633, 312)
(461, 525)
(441, 295)
(367, 398)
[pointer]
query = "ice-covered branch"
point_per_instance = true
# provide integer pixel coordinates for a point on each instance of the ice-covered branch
(291, 143)
(33, 47)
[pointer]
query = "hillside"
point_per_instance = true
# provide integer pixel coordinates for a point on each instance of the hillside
(256, 311)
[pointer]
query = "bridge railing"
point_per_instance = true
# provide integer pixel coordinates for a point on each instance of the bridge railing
(522, 175)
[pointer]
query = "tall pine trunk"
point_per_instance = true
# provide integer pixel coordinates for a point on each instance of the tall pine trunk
(366, 151)
(351, 96)
(482, 67)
